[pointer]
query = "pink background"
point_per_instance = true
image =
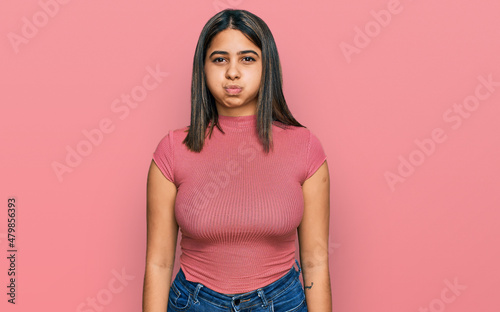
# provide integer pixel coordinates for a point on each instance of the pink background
(393, 247)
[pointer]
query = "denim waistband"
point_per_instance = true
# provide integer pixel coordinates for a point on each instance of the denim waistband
(260, 295)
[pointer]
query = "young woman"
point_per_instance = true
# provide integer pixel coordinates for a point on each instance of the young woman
(240, 182)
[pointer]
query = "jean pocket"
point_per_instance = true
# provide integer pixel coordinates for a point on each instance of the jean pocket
(291, 299)
(179, 298)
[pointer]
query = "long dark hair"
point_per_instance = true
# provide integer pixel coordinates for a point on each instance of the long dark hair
(271, 101)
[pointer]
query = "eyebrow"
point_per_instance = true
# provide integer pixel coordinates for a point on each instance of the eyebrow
(239, 53)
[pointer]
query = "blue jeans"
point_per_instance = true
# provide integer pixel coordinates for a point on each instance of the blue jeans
(285, 294)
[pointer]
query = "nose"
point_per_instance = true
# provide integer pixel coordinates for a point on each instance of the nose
(232, 70)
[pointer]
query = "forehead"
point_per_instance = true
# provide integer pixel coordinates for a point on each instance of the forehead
(231, 40)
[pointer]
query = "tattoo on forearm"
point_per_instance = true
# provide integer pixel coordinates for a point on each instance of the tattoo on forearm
(309, 287)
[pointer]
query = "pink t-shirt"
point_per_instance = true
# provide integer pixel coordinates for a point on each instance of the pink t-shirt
(238, 209)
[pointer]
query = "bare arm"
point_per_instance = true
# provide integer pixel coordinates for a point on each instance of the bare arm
(162, 232)
(313, 233)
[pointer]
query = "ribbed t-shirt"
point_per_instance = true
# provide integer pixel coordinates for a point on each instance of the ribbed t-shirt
(237, 208)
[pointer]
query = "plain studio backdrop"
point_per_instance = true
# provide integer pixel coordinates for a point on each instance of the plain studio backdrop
(403, 95)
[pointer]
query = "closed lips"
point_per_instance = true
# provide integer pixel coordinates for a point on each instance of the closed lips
(233, 89)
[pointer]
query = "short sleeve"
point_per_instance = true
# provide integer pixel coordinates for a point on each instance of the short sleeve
(163, 156)
(315, 155)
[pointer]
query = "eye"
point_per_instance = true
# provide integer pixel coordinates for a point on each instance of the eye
(218, 58)
(250, 58)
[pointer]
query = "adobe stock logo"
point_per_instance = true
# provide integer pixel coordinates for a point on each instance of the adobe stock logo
(324, 249)
(455, 115)
(448, 295)
(94, 137)
(106, 295)
(30, 28)
(220, 5)
(220, 179)
(373, 28)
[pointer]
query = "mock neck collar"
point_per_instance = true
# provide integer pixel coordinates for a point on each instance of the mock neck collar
(238, 122)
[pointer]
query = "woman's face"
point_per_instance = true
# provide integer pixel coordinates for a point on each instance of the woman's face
(233, 70)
